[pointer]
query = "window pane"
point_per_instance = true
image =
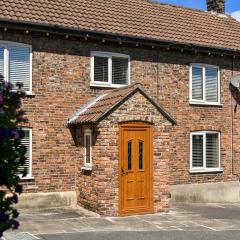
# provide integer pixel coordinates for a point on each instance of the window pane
(140, 155)
(197, 83)
(26, 142)
(100, 69)
(87, 149)
(197, 151)
(1, 62)
(211, 84)
(119, 70)
(19, 67)
(129, 155)
(212, 151)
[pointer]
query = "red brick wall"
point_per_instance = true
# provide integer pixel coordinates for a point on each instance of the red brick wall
(61, 77)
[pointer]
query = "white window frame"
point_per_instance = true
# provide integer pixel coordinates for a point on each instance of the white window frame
(203, 101)
(6, 45)
(87, 132)
(29, 175)
(204, 168)
(108, 55)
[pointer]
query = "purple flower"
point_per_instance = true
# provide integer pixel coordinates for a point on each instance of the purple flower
(1, 99)
(3, 217)
(15, 224)
(4, 133)
(14, 133)
(21, 133)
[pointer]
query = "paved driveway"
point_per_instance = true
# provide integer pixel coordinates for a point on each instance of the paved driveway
(184, 221)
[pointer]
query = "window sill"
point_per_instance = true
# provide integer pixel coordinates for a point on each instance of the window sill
(206, 104)
(30, 94)
(205, 170)
(86, 168)
(107, 85)
(27, 178)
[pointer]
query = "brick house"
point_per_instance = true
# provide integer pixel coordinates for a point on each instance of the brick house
(128, 102)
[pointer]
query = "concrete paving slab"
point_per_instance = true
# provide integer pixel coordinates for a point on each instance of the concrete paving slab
(182, 217)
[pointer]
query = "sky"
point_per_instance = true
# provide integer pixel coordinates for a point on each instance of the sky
(232, 6)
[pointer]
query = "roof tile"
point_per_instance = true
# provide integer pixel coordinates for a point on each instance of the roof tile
(99, 107)
(137, 18)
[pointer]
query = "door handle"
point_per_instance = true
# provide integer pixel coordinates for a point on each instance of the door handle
(123, 171)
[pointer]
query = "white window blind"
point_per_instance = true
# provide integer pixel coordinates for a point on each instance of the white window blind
(119, 70)
(197, 151)
(100, 69)
(1, 62)
(19, 67)
(110, 69)
(205, 151)
(205, 84)
(26, 141)
(212, 151)
(211, 84)
(15, 64)
(197, 83)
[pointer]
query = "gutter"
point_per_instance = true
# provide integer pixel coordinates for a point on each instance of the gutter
(79, 32)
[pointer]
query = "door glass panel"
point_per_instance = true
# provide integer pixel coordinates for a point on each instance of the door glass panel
(129, 155)
(140, 155)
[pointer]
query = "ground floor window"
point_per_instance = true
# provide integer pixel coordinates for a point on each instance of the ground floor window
(205, 151)
(88, 148)
(27, 142)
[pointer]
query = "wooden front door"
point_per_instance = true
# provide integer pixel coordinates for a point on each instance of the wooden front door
(135, 169)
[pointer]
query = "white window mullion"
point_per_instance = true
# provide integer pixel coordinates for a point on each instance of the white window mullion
(204, 84)
(219, 85)
(110, 70)
(204, 150)
(6, 64)
(31, 69)
(30, 151)
(219, 150)
(92, 69)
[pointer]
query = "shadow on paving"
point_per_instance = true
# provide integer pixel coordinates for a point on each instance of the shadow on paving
(174, 235)
(212, 211)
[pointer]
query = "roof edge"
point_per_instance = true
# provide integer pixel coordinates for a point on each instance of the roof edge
(58, 29)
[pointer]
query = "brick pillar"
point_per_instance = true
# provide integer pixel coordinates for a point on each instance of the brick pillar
(216, 6)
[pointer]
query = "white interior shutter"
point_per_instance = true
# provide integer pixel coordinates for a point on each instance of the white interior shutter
(1, 62)
(26, 142)
(100, 69)
(211, 84)
(197, 83)
(119, 70)
(19, 67)
(197, 151)
(212, 150)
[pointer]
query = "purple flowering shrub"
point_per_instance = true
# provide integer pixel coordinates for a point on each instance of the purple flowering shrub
(12, 153)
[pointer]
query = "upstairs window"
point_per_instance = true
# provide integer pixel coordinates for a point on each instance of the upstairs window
(205, 151)
(27, 142)
(110, 69)
(15, 64)
(204, 84)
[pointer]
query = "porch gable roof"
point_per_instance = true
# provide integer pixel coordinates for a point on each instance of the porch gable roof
(100, 107)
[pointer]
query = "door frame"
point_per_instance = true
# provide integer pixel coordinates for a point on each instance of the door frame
(140, 126)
